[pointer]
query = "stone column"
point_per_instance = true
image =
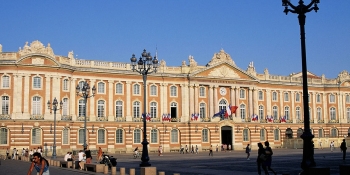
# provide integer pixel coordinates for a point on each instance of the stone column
(292, 110)
(91, 102)
(314, 110)
(166, 105)
(196, 103)
(185, 102)
(268, 102)
(216, 109)
(191, 99)
(72, 99)
(281, 108)
(17, 97)
(255, 102)
(325, 113)
(237, 96)
(111, 103)
(26, 100)
(128, 104)
(232, 99)
(211, 101)
(47, 96)
(250, 102)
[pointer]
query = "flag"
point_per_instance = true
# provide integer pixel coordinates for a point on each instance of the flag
(219, 113)
(228, 111)
(233, 109)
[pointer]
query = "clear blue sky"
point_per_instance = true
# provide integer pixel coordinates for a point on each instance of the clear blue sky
(248, 30)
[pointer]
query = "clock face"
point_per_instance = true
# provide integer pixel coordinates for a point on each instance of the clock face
(223, 91)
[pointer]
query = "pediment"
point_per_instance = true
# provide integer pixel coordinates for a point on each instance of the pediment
(38, 60)
(225, 71)
(300, 74)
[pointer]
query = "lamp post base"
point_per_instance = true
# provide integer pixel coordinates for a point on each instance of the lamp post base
(145, 157)
(308, 152)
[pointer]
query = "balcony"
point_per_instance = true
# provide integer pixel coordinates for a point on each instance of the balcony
(82, 118)
(36, 117)
(5, 117)
(320, 121)
(120, 119)
(333, 121)
(101, 119)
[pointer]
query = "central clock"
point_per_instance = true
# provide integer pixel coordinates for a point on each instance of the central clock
(223, 91)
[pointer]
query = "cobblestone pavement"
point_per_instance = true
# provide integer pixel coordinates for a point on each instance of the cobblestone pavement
(223, 163)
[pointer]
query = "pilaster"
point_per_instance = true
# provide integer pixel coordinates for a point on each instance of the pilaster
(73, 98)
(110, 100)
(128, 101)
(91, 104)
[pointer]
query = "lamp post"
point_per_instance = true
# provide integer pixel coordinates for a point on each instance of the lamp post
(308, 147)
(54, 108)
(145, 66)
(85, 90)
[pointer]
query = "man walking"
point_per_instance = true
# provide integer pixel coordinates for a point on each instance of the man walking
(211, 150)
(343, 148)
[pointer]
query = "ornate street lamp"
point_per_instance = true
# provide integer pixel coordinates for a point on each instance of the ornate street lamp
(85, 90)
(54, 108)
(308, 147)
(146, 65)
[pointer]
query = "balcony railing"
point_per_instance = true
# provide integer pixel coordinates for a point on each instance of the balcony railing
(102, 119)
(82, 118)
(333, 121)
(36, 117)
(120, 119)
(66, 117)
(5, 117)
(320, 121)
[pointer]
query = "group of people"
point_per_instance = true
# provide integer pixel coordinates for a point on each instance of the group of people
(194, 150)
(25, 153)
(264, 159)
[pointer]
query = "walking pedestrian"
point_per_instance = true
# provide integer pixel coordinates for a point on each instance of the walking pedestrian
(343, 148)
(211, 150)
(332, 146)
(196, 149)
(192, 150)
(217, 148)
(40, 164)
(268, 154)
(186, 148)
(7, 153)
(182, 150)
(88, 155)
(261, 158)
(160, 151)
(247, 150)
(99, 154)
(320, 144)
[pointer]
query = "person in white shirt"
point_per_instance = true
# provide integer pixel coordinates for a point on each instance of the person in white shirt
(66, 157)
(31, 152)
(82, 159)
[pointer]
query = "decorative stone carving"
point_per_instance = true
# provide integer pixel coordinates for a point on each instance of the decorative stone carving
(71, 54)
(193, 62)
(223, 71)
(0, 48)
(162, 63)
(37, 61)
(222, 56)
(251, 69)
(36, 47)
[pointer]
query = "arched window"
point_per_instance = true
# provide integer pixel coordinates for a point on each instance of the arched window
(276, 134)
(173, 91)
(299, 132)
(137, 136)
(289, 133)
(3, 136)
(332, 113)
(202, 110)
(275, 112)
(153, 109)
(36, 136)
(154, 136)
(274, 96)
(202, 91)
(36, 103)
(262, 134)
(119, 88)
(297, 113)
(261, 112)
(242, 111)
(118, 109)
(100, 87)
(286, 112)
(205, 135)
(245, 135)
(100, 108)
(136, 89)
(153, 90)
(81, 108)
(119, 136)
(222, 104)
(174, 136)
(136, 109)
(334, 132)
(65, 136)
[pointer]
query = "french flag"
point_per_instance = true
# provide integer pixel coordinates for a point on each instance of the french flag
(228, 111)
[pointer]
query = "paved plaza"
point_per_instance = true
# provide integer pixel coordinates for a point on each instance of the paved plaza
(222, 163)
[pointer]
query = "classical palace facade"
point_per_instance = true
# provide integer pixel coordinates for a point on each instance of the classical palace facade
(181, 103)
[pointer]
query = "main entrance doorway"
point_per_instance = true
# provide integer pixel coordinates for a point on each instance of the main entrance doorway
(226, 135)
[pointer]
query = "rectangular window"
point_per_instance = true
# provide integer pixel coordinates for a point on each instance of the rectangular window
(242, 93)
(136, 89)
(65, 84)
(81, 136)
(297, 97)
(347, 98)
(119, 109)
(274, 96)
(153, 90)
(245, 135)
(286, 96)
(154, 136)
(101, 136)
(5, 81)
(202, 110)
(65, 136)
(36, 136)
(5, 105)
(318, 98)
(205, 135)
(65, 107)
(3, 136)
(119, 136)
(137, 136)
(36, 82)
(119, 88)
(202, 91)
(261, 95)
(276, 134)
(101, 88)
(332, 98)
(174, 136)
(262, 135)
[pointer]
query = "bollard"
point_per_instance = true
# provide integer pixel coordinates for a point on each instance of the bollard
(176, 174)
(105, 170)
(122, 170)
(114, 170)
(161, 173)
(73, 164)
(132, 171)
